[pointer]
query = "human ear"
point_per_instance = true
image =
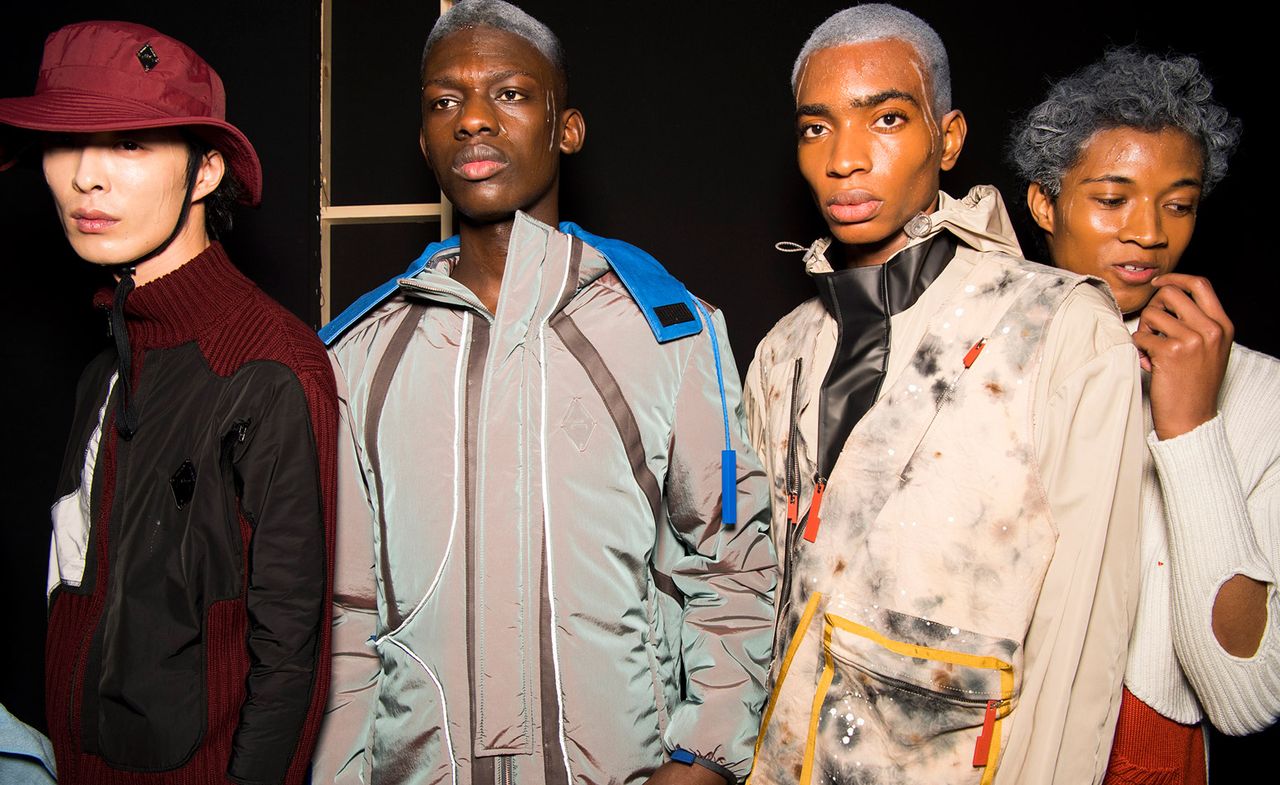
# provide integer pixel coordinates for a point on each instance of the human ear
(1041, 206)
(209, 174)
(573, 131)
(422, 145)
(954, 130)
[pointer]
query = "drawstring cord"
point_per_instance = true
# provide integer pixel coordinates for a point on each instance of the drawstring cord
(126, 412)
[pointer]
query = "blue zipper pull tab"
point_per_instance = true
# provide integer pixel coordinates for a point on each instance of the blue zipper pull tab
(728, 487)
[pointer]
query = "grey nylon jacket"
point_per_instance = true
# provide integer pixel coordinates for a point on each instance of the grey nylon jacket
(533, 581)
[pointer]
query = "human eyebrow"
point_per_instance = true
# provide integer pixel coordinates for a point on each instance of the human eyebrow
(875, 99)
(813, 109)
(1187, 182)
(1116, 179)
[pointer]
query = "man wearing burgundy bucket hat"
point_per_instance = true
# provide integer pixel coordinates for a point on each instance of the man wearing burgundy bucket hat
(189, 573)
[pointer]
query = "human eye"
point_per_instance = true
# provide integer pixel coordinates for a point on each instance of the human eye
(1181, 208)
(442, 103)
(811, 130)
(891, 120)
(1109, 201)
(128, 145)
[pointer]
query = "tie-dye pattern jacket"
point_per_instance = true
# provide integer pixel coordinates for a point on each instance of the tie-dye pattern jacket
(534, 584)
(910, 583)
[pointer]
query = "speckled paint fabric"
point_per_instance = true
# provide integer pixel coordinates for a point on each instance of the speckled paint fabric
(901, 626)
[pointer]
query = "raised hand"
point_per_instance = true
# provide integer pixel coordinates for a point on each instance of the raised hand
(1185, 340)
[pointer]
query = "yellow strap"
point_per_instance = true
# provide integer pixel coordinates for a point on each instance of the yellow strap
(815, 714)
(810, 609)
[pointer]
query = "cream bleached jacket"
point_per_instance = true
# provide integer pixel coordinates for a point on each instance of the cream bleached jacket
(975, 563)
(533, 581)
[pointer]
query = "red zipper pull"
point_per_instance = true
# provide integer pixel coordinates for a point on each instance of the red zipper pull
(982, 749)
(815, 518)
(974, 351)
(793, 508)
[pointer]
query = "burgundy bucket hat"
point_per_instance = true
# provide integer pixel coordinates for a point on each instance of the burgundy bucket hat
(117, 76)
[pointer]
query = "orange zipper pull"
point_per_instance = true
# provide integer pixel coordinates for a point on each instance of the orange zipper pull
(815, 519)
(982, 749)
(793, 508)
(974, 351)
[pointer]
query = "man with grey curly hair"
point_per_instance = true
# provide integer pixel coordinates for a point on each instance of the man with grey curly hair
(1118, 158)
(952, 435)
(553, 561)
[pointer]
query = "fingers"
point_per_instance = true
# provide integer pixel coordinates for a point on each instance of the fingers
(1201, 293)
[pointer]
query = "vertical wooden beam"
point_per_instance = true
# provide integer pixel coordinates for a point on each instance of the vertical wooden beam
(326, 158)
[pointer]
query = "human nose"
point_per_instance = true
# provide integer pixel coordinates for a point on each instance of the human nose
(850, 153)
(90, 172)
(1143, 226)
(476, 117)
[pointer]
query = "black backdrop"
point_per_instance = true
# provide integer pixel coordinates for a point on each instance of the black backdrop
(689, 154)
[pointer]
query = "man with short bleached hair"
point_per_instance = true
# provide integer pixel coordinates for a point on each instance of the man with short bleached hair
(952, 437)
(554, 563)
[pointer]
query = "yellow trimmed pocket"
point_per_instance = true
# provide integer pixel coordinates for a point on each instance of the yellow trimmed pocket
(773, 761)
(912, 698)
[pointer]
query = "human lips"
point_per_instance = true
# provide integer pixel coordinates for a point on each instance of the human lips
(479, 162)
(853, 206)
(93, 221)
(1135, 273)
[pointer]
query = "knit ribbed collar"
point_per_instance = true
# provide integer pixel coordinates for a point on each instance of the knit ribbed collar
(179, 306)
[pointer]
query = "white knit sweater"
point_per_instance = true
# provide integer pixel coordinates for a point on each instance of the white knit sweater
(1211, 510)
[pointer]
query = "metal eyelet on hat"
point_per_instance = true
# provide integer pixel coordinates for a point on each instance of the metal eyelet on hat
(148, 57)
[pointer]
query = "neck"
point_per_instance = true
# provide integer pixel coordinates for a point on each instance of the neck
(190, 242)
(872, 254)
(482, 254)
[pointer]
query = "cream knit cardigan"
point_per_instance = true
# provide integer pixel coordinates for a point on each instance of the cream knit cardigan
(1211, 510)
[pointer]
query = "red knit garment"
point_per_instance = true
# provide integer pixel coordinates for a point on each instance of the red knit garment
(208, 301)
(1151, 749)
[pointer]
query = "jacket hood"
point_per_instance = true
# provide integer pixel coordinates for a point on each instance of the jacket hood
(979, 220)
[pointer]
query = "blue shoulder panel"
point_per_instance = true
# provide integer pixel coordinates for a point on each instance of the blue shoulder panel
(665, 303)
(372, 299)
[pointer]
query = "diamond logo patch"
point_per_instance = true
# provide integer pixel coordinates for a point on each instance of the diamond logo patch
(148, 57)
(578, 424)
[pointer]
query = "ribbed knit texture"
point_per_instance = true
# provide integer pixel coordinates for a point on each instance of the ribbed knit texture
(1153, 750)
(1211, 510)
(209, 301)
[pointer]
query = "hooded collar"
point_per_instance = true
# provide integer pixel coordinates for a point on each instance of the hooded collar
(545, 267)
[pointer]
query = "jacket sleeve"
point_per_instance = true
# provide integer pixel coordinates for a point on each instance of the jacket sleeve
(341, 751)
(1090, 451)
(1217, 530)
(285, 464)
(727, 573)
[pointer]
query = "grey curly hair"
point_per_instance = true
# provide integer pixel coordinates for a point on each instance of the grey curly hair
(503, 16)
(1127, 88)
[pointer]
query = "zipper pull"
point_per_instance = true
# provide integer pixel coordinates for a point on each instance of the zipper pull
(793, 508)
(974, 351)
(815, 509)
(241, 430)
(982, 748)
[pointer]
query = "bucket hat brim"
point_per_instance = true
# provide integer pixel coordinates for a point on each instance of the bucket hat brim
(69, 111)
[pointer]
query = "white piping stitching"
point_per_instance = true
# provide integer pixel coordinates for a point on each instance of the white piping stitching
(457, 475)
(546, 515)
(444, 708)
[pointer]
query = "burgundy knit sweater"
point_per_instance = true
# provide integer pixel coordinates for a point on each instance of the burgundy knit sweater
(209, 303)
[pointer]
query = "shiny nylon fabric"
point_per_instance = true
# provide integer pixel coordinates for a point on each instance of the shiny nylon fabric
(861, 300)
(520, 552)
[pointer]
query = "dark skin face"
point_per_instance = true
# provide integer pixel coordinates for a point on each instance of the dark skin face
(870, 145)
(1125, 213)
(493, 130)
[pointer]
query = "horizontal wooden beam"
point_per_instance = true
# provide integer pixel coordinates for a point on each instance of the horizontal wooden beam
(380, 213)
